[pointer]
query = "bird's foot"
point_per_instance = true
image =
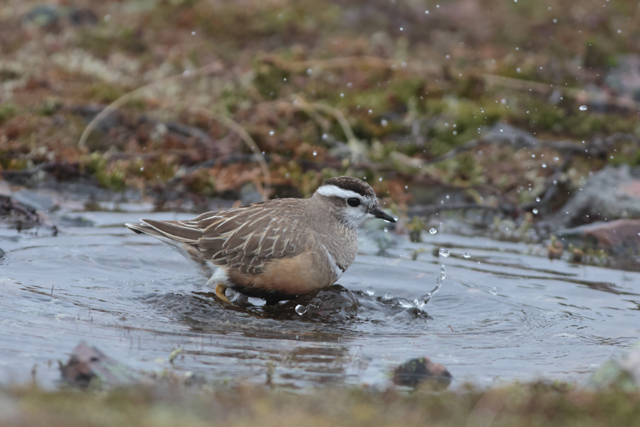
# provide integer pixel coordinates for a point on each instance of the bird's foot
(220, 293)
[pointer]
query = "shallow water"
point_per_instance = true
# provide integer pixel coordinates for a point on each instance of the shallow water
(500, 315)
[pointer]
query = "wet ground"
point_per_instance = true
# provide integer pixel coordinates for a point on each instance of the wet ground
(501, 314)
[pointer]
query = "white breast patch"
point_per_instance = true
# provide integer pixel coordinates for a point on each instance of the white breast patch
(337, 271)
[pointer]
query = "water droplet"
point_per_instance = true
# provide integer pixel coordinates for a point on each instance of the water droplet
(466, 255)
(193, 33)
(342, 95)
(518, 70)
(432, 231)
(494, 290)
(301, 309)
(370, 291)
(384, 123)
(315, 153)
(535, 211)
(583, 108)
(426, 12)
(538, 199)
(389, 295)
(405, 303)
(444, 252)
(142, 168)
(309, 71)
(272, 132)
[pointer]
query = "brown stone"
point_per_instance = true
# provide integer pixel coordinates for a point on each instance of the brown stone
(416, 371)
(615, 235)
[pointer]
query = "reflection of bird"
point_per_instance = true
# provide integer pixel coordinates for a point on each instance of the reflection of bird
(279, 248)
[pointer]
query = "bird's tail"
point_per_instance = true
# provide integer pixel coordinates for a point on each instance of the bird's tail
(177, 235)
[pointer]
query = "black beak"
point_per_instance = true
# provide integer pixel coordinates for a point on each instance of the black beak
(379, 213)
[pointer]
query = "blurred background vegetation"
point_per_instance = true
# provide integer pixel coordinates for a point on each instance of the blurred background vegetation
(378, 89)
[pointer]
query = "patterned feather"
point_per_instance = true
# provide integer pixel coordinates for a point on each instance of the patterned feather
(244, 238)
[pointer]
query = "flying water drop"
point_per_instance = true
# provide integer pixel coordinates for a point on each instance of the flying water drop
(424, 299)
(583, 108)
(466, 255)
(432, 231)
(301, 309)
(444, 252)
(370, 291)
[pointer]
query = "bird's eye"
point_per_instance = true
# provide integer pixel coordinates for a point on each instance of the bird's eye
(353, 201)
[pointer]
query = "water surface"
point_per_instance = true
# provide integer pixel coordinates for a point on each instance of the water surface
(501, 315)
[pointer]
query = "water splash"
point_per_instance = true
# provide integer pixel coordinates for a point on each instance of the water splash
(424, 299)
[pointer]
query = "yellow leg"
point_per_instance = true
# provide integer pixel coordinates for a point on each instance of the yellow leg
(220, 293)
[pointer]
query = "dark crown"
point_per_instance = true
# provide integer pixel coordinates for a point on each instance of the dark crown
(352, 184)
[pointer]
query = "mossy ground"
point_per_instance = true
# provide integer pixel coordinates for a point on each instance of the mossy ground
(534, 404)
(408, 77)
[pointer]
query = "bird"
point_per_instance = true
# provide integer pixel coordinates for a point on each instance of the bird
(277, 249)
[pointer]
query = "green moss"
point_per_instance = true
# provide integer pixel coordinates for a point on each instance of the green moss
(109, 176)
(102, 42)
(105, 93)
(599, 53)
(7, 112)
(269, 79)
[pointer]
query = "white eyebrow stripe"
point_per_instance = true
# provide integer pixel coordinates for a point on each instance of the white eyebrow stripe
(335, 191)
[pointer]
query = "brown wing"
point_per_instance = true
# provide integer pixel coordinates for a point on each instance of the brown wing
(244, 238)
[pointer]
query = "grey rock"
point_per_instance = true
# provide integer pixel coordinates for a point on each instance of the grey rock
(616, 237)
(625, 78)
(43, 15)
(613, 193)
(34, 200)
(89, 366)
(249, 194)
